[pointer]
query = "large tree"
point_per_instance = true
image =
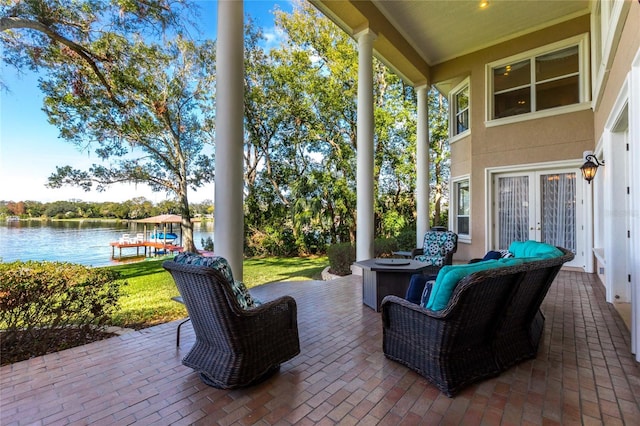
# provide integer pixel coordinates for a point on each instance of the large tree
(300, 115)
(144, 106)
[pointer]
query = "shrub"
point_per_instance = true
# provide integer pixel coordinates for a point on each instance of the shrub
(407, 239)
(46, 305)
(207, 244)
(341, 256)
(384, 247)
(271, 242)
(313, 242)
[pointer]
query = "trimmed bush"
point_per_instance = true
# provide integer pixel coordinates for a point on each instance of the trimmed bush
(407, 239)
(46, 305)
(341, 256)
(384, 247)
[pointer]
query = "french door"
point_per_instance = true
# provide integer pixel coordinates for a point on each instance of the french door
(541, 206)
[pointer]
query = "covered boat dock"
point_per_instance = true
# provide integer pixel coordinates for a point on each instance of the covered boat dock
(154, 245)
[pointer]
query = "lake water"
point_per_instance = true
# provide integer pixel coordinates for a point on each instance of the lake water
(85, 242)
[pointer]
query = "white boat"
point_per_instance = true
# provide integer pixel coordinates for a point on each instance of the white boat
(161, 237)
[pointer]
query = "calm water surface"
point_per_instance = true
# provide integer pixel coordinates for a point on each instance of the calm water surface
(85, 242)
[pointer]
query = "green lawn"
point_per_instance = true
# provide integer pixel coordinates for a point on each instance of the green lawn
(146, 300)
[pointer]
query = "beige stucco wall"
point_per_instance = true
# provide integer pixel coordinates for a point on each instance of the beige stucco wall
(560, 137)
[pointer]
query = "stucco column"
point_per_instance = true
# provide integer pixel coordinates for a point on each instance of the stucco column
(229, 218)
(365, 218)
(422, 165)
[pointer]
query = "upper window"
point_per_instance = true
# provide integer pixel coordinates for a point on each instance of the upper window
(539, 80)
(459, 101)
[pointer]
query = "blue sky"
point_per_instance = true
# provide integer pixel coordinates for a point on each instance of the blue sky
(30, 148)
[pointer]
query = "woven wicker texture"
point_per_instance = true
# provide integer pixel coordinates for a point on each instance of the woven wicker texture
(234, 347)
(491, 322)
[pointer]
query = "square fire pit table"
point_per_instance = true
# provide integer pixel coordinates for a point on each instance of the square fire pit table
(381, 277)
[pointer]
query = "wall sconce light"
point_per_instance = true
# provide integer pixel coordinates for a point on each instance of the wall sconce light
(590, 167)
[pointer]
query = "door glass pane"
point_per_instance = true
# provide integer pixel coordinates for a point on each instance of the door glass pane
(513, 210)
(558, 206)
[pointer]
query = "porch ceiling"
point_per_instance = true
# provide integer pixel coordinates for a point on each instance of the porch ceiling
(415, 35)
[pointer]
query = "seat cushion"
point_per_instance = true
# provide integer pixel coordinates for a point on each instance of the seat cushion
(220, 264)
(534, 249)
(430, 260)
(449, 276)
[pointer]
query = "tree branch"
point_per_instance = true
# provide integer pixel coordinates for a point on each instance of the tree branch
(9, 22)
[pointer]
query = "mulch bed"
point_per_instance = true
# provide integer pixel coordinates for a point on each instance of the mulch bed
(19, 349)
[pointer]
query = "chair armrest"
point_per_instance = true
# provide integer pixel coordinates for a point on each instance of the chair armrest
(391, 301)
(403, 321)
(416, 252)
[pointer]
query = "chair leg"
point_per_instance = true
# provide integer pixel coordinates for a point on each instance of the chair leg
(178, 333)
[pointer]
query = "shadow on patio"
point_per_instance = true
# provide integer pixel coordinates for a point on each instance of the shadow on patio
(584, 373)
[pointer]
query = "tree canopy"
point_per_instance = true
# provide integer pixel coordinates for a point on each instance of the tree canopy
(121, 78)
(300, 144)
(143, 103)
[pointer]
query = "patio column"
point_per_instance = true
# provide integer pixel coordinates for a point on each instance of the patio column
(422, 165)
(229, 219)
(364, 177)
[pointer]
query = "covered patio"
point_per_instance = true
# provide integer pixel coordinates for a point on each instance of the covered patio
(584, 373)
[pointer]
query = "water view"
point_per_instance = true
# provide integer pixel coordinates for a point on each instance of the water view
(85, 241)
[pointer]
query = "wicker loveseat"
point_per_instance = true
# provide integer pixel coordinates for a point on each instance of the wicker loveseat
(491, 321)
(238, 342)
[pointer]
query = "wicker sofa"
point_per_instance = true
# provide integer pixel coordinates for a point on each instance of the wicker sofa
(491, 322)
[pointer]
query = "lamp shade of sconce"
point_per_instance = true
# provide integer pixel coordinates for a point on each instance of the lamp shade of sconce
(590, 167)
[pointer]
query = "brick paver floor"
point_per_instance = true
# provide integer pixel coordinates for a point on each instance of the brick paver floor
(584, 373)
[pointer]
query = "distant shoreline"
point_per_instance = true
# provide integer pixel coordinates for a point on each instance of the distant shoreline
(95, 219)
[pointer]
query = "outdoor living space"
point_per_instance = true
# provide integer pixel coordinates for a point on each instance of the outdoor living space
(584, 373)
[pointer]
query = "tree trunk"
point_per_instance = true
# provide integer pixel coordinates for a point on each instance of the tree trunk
(186, 225)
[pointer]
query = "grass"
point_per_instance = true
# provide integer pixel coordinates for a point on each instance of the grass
(146, 300)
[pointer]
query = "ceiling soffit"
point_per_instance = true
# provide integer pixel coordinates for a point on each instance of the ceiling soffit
(414, 35)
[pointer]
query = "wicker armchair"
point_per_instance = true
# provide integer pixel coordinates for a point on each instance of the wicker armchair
(492, 321)
(234, 347)
(437, 249)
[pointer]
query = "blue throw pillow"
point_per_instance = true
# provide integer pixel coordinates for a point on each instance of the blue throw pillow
(492, 255)
(426, 293)
(416, 287)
